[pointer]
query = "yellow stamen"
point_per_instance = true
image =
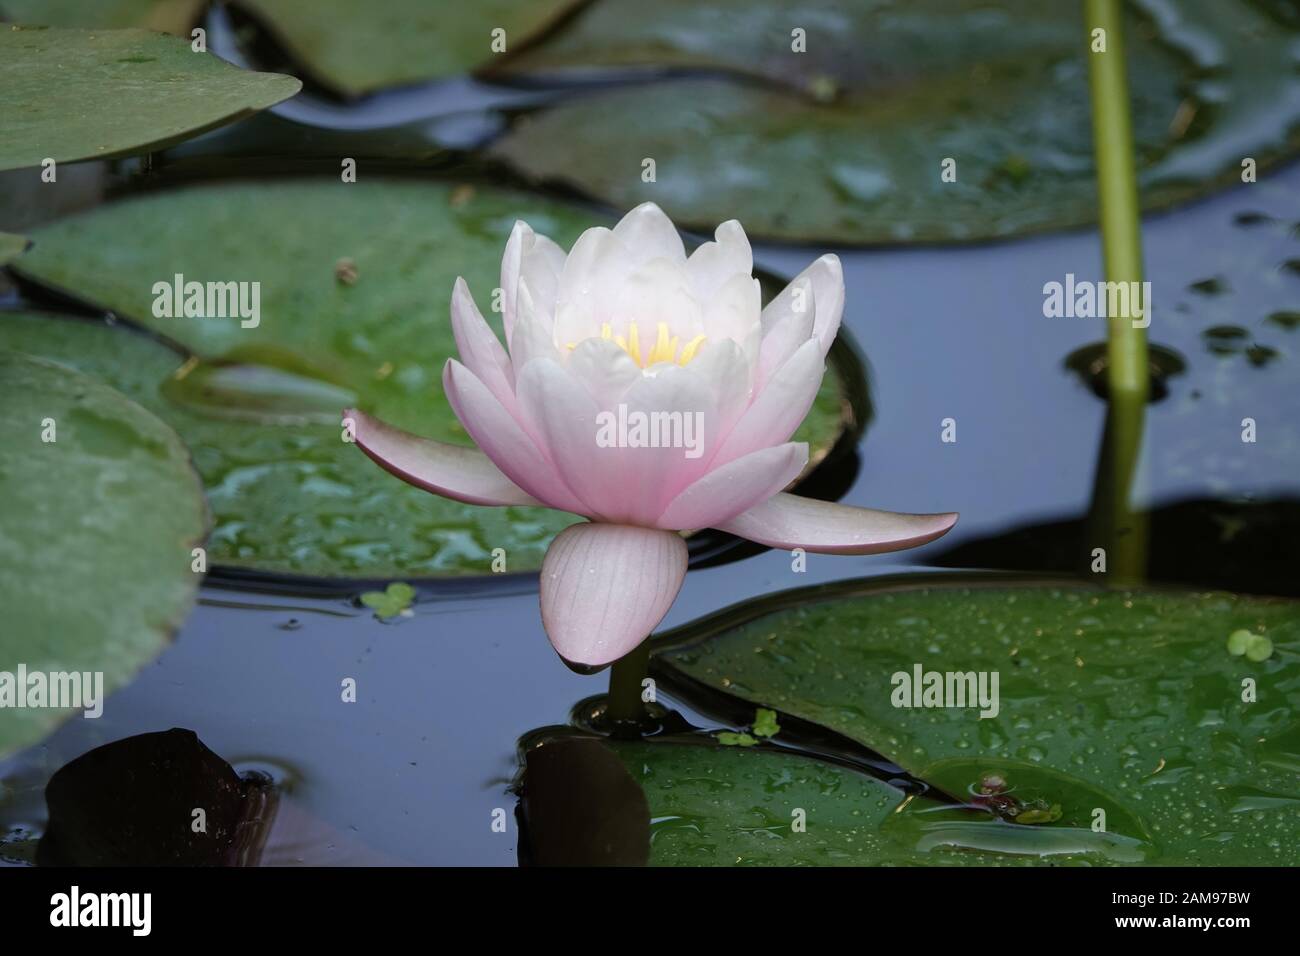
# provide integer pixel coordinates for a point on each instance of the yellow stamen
(664, 350)
(692, 346)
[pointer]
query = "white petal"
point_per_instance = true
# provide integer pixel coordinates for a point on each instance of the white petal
(453, 471)
(648, 233)
(735, 487)
(605, 587)
(713, 264)
(780, 407)
(788, 521)
(504, 440)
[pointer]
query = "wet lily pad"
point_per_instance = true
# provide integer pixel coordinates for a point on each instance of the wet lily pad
(733, 806)
(358, 48)
(166, 16)
(102, 509)
(258, 405)
(102, 77)
(999, 89)
(1133, 694)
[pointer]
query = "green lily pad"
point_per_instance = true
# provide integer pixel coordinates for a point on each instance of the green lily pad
(1132, 694)
(259, 406)
(100, 78)
(731, 806)
(999, 89)
(358, 48)
(11, 247)
(166, 16)
(96, 540)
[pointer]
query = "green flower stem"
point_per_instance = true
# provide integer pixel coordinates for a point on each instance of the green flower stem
(625, 676)
(1117, 525)
(1121, 236)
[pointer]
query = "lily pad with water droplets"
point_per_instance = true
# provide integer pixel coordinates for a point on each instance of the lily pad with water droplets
(96, 94)
(102, 509)
(260, 405)
(1122, 701)
(738, 806)
(939, 122)
(359, 48)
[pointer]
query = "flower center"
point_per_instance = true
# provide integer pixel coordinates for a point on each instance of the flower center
(665, 348)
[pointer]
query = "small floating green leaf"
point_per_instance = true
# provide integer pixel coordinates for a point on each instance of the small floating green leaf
(390, 602)
(101, 77)
(101, 512)
(730, 739)
(765, 724)
(1238, 641)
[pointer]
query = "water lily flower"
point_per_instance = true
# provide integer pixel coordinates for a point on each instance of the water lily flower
(650, 392)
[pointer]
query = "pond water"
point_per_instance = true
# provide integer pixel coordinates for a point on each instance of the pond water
(413, 771)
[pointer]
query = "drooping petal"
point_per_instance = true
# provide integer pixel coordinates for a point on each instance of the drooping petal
(479, 349)
(649, 234)
(453, 471)
(735, 487)
(605, 587)
(779, 408)
(504, 440)
(788, 521)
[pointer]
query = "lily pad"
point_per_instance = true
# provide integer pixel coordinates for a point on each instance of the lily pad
(1133, 694)
(102, 509)
(260, 405)
(11, 247)
(166, 16)
(1000, 90)
(359, 48)
(101, 78)
(732, 806)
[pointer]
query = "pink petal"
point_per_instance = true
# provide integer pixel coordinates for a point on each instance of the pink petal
(783, 333)
(827, 279)
(605, 587)
(779, 408)
(735, 487)
(453, 471)
(788, 521)
(521, 239)
(648, 234)
(713, 263)
(554, 406)
(479, 349)
(503, 440)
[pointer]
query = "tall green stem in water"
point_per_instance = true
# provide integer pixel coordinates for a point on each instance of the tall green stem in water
(625, 676)
(1121, 235)
(1121, 527)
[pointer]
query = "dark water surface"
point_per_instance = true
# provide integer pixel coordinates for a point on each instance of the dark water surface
(413, 771)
